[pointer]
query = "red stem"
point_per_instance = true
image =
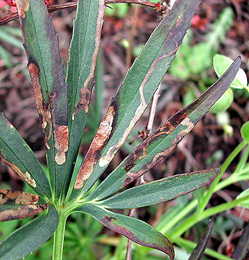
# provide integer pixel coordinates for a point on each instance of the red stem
(52, 8)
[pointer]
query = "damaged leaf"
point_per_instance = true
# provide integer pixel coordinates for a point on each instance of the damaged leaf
(134, 229)
(18, 205)
(12, 212)
(18, 156)
(138, 87)
(48, 81)
(160, 191)
(17, 197)
(80, 75)
(29, 237)
(162, 142)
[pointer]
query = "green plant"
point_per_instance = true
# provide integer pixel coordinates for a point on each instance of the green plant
(63, 106)
(221, 63)
(194, 60)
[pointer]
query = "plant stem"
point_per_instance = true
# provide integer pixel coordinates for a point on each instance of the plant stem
(193, 219)
(224, 166)
(59, 237)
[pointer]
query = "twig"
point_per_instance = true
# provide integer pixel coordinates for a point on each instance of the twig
(132, 35)
(153, 110)
(157, 6)
(147, 130)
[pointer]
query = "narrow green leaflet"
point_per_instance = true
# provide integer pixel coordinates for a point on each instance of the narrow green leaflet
(29, 237)
(80, 76)
(93, 119)
(18, 205)
(48, 81)
(136, 91)
(15, 152)
(159, 191)
(163, 141)
(134, 229)
(202, 244)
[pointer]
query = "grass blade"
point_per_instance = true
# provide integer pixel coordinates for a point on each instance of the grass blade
(201, 246)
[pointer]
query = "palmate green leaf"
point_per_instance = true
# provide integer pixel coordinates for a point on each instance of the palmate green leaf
(160, 191)
(18, 205)
(80, 74)
(29, 237)
(161, 143)
(136, 92)
(134, 229)
(15, 152)
(48, 81)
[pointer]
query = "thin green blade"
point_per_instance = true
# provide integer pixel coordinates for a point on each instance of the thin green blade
(160, 191)
(161, 143)
(29, 237)
(48, 81)
(18, 205)
(134, 229)
(136, 91)
(15, 152)
(202, 244)
(80, 76)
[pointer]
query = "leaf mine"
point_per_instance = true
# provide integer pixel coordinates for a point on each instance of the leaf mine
(86, 91)
(97, 144)
(42, 109)
(21, 212)
(61, 144)
(17, 197)
(23, 175)
(105, 160)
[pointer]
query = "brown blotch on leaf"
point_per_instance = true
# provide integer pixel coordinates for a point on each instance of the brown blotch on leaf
(61, 144)
(22, 7)
(17, 197)
(141, 151)
(42, 109)
(109, 219)
(23, 175)
(165, 129)
(97, 145)
(85, 97)
(22, 212)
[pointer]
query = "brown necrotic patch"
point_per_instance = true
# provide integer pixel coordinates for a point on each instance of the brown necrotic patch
(22, 6)
(141, 151)
(21, 212)
(42, 108)
(17, 197)
(97, 145)
(85, 97)
(61, 144)
(23, 175)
